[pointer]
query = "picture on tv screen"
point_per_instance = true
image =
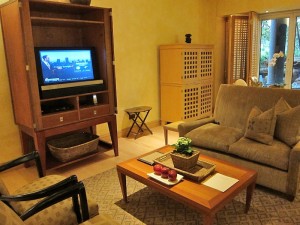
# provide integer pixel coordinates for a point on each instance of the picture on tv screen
(60, 66)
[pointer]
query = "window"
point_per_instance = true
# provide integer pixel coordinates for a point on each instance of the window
(273, 49)
(279, 55)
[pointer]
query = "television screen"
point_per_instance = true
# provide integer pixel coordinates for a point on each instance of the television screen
(65, 68)
(62, 66)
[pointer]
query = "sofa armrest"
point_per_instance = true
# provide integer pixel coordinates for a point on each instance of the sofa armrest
(186, 127)
(293, 173)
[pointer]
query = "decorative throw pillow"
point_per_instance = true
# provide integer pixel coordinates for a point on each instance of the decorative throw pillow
(281, 106)
(288, 126)
(261, 125)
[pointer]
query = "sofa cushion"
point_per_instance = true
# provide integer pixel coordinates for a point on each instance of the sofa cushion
(288, 126)
(261, 125)
(276, 155)
(214, 136)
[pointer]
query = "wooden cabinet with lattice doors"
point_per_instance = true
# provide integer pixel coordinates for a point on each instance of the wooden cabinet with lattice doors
(186, 81)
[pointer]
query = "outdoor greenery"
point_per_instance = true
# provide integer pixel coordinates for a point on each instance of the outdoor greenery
(273, 51)
(265, 42)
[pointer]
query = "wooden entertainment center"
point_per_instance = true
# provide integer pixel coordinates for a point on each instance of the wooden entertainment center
(27, 24)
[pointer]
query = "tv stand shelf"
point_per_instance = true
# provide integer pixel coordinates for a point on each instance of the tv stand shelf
(53, 163)
(63, 22)
(28, 25)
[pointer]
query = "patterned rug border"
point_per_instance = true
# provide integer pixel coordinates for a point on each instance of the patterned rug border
(147, 206)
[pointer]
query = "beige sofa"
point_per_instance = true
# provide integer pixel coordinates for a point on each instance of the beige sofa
(266, 141)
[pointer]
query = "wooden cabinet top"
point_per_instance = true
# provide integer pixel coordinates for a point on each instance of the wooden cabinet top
(184, 46)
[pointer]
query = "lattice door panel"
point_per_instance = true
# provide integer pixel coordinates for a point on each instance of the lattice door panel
(197, 100)
(190, 102)
(186, 102)
(206, 64)
(185, 64)
(206, 98)
(190, 66)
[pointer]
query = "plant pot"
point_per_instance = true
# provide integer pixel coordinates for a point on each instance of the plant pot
(184, 162)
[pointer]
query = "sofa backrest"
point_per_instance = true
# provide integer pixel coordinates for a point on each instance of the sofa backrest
(233, 102)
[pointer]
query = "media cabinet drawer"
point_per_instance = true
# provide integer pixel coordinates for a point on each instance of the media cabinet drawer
(95, 111)
(59, 119)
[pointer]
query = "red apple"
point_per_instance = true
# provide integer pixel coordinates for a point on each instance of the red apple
(164, 172)
(157, 169)
(172, 175)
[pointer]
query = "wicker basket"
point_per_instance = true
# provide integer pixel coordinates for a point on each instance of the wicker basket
(73, 146)
(185, 162)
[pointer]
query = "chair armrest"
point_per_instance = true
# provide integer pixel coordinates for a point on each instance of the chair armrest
(73, 192)
(23, 159)
(186, 127)
(43, 192)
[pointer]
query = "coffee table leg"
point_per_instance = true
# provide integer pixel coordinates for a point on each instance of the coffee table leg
(122, 180)
(250, 190)
(208, 219)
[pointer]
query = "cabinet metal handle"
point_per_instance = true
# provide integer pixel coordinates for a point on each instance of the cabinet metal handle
(61, 119)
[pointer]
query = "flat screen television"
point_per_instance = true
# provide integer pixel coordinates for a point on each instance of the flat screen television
(67, 71)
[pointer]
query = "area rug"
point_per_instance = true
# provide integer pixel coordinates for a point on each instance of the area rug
(147, 206)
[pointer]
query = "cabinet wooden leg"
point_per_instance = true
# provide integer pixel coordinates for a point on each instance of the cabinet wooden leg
(27, 145)
(114, 134)
(40, 146)
(31, 142)
(25, 142)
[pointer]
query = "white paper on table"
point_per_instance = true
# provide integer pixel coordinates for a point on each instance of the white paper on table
(220, 182)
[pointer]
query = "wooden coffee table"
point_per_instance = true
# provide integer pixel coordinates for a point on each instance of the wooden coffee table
(193, 194)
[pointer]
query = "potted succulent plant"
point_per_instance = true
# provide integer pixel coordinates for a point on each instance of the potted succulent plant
(183, 156)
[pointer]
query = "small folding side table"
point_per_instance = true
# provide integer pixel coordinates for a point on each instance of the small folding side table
(138, 119)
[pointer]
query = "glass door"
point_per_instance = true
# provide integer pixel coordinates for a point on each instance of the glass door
(295, 83)
(273, 51)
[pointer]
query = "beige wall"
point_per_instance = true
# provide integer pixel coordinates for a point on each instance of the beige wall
(9, 135)
(140, 26)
